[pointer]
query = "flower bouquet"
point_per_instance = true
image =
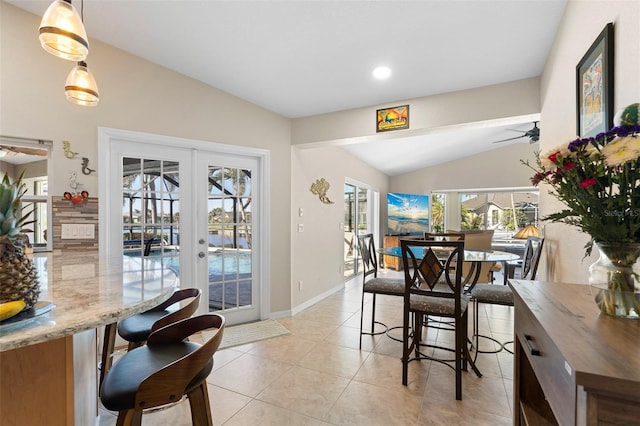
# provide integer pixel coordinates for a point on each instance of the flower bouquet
(598, 178)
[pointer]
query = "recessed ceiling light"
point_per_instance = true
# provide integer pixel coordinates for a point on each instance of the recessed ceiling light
(382, 73)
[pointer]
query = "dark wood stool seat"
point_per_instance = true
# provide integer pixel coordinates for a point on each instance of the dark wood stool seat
(164, 370)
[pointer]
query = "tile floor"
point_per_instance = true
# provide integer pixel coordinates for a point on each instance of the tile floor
(317, 375)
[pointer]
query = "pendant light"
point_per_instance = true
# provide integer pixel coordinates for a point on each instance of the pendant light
(62, 32)
(81, 87)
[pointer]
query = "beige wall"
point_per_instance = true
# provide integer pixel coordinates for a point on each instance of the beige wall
(427, 114)
(317, 254)
(583, 21)
(139, 96)
(499, 168)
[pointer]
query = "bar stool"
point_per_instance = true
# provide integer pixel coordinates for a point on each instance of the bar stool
(161, 372)
(137, 328)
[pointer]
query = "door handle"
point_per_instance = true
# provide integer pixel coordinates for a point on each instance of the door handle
(531, 346)
(201, 254)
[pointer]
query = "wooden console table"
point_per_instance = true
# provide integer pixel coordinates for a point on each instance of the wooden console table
(573, 365)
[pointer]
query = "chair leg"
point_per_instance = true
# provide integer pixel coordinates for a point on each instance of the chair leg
(108, 345)
(460, 342)
(406, 348)
(129, 418)
(361, 318)
(373, 314)
(200, 409)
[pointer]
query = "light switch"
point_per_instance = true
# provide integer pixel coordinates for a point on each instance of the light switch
(300, 227)
(78, 231)
(300, 212)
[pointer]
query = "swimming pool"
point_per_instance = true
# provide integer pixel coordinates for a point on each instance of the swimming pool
(223, 265)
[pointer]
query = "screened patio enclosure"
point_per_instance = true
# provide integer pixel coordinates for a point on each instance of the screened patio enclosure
(151, 224)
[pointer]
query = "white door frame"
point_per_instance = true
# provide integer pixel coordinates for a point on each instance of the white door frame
(107, 166)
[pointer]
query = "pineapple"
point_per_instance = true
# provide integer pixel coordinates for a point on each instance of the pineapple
(18, 276)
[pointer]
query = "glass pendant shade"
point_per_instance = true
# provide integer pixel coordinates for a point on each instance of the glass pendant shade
(62, 32)
(81, 87)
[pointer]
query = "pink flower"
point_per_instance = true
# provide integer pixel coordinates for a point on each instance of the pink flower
(569, 166)
(553, 157)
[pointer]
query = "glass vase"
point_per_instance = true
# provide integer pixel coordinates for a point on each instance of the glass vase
(615, 279)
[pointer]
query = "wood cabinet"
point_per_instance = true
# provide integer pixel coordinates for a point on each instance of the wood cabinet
(392, 261)
(573, 365)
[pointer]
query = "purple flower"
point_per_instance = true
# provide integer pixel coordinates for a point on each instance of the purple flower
(579, 143)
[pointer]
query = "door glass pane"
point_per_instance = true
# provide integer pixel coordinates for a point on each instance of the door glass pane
(151, 209)
(350, 223)
(229, 232)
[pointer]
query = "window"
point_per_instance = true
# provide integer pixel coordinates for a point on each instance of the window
(506, 211)
(31, 159)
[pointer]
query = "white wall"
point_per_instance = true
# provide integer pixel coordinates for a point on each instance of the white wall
(583, 21)
(140, 96)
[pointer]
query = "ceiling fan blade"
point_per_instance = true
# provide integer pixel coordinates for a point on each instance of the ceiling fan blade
(510, 139)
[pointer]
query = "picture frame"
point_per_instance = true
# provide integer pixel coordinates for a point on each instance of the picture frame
(394, 118)
(594, 86)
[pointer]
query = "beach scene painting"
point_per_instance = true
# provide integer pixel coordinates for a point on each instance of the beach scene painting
(407, 213)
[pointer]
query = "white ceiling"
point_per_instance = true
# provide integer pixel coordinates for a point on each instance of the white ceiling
(300, 58)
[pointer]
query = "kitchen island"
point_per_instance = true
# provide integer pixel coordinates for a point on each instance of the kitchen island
(48, 364)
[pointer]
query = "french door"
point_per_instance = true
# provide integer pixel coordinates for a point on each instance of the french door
(360, 212)
(194, 208)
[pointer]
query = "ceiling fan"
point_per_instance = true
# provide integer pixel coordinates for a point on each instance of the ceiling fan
(533, 134)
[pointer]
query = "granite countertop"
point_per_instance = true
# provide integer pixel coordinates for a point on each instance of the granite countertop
(88, 292)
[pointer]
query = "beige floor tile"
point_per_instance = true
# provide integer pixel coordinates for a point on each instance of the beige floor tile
(288, 349)
(248, 374)
(225, 404)
(333, 359)
(350, 337)
(223, 357)
(305, 391)
(479, 394)
(263, 414)
(386, 371)
(366, 404)
(312, 330)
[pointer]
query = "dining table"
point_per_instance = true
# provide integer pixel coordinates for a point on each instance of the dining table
(475, 257)
(49, 355)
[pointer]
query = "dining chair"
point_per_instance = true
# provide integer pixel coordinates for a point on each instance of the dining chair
(498, 294)
(161, 372)
(431, 290)
(137, 328)
(374, 285)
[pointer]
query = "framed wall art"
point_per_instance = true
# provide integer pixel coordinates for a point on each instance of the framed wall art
(594, 86)
(394, 118)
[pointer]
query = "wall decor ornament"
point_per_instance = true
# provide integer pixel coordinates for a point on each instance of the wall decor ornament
(594, 86)
(85, 166)
(320, 188)
(394, 118)
(67, 150)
